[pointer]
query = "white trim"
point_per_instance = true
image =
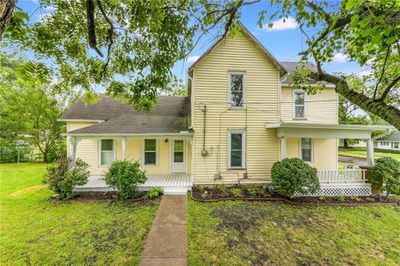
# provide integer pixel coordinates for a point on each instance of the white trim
(312, 149)
(144, 135)
(80, 120)
(156, 151)
(329, 86)
(304, 117)
(237, 72)
(237, 131)
(99, 151)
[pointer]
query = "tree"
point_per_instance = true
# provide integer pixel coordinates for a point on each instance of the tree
(96, 42)
(28, 109)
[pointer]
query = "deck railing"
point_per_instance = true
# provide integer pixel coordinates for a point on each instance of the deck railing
(342, 176)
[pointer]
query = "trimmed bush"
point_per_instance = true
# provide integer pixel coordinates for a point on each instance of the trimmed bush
(62, 177)
(125, 177)
(154, 193)
(292, 175)
(386, 175)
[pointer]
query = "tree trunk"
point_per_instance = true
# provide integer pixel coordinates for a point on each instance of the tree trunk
(345, 143)
(6, 10)
(387, 112)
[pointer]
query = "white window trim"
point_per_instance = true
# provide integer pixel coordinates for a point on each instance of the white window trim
(143, 153)
(236, 131)
(312, 150)
(244, 89)
(99, 151)
(294, 105)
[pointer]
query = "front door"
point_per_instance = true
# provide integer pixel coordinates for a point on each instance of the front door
(178, 164)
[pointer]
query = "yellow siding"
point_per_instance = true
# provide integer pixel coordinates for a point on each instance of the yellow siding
(210, 83)
(319, 108)
(88, 151)
(324, 152)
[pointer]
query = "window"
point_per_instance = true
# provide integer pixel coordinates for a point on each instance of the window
(236, 89)
(236, 149)
(299, 107)
(106, 151)
(395, 145)
(178, 151)
(306, 149)
(150, 151)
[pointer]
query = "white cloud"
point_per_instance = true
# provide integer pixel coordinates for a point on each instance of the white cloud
(339, 57)
(288, 24)
(49, 8)
(363, 73)
(43, 17)
(192, 59)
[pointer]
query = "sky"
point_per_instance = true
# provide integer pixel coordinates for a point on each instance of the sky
(284, 41)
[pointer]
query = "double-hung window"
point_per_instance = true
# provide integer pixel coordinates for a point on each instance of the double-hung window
(106, 151)
(150, 152)
(299, 104)
(306, 149)
(236, 89)
(236, 149)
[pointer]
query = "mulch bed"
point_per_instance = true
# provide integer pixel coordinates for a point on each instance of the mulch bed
(215, 194)
(100, 196)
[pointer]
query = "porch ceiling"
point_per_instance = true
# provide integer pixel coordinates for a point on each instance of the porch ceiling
(333, 131)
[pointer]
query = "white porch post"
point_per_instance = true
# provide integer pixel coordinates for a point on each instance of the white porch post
(370, 152)
(74, 142)
(283, 148)
(123, 143)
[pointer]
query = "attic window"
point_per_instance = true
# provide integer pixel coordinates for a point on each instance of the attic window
(236, 89)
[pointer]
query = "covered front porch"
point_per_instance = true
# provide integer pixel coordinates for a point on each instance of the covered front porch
(317, 144)
(173, 184)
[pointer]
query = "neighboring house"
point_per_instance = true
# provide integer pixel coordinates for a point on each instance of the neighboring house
(240, 116)
(390, 142)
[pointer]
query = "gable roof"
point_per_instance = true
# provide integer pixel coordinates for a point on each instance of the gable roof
(166, 117)
(394, 136)
(291, 67)
(278, 65)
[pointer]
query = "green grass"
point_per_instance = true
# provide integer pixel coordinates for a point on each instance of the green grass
(265, 233)
(361, 153)
(44, 232)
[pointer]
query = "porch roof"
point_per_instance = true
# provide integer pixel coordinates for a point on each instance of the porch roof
(317, 130)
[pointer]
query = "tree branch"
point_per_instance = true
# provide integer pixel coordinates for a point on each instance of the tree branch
(383, 72)
(92, 26)
(6, 10)
(388, 88)
(110, 35)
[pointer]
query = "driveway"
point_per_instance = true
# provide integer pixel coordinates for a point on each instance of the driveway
(353, 160)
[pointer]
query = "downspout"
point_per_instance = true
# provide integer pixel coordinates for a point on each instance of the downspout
(204, 152)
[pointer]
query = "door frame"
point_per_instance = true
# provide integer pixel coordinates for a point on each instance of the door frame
(171, 152)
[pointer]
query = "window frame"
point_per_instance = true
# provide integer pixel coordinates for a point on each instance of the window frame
(234, 72)
(304, 117)
(144, 152)
(100, 151)
(237, 131)
(311, 148)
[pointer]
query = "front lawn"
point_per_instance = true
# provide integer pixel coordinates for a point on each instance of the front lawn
(361, 153)
(42, 232)
(266, 233)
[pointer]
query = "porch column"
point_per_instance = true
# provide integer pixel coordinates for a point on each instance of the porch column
(74, 142)
(123, 143)
(283, 148)
(370, 152)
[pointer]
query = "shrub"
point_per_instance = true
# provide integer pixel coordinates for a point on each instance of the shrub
(154, 193)
(62, 177)
(386, 175)
(236, 192)
(293, 175)
(125, 177)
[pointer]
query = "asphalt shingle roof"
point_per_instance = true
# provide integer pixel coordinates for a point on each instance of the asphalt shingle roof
(168, 116)
(394, 136)
(291, 67)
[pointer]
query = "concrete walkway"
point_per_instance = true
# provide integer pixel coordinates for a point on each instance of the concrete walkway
(167, 240)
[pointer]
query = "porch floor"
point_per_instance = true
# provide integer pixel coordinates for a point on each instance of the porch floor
(172, 184)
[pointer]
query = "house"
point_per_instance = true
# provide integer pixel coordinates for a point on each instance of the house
(241, 115)
(389, 142)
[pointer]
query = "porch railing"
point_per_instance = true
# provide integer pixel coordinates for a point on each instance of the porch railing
(342, 176)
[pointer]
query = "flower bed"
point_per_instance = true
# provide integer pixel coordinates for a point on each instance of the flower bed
(89, 196)
(213, 194)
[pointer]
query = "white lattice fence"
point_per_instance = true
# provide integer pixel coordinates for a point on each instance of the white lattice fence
(341, 182)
